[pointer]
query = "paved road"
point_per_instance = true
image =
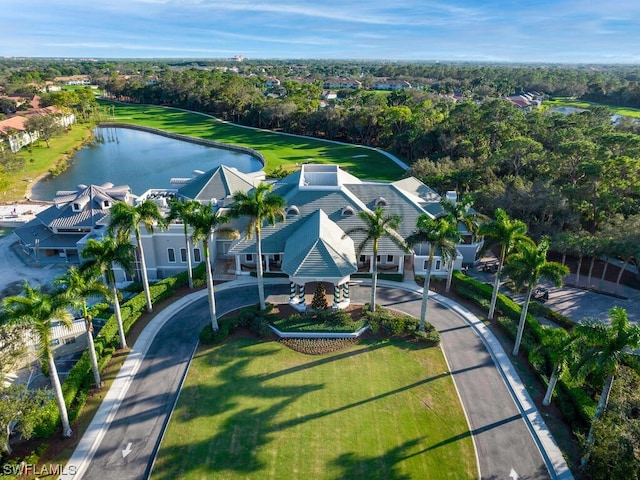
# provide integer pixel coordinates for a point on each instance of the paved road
(144, 412)
(502, 439)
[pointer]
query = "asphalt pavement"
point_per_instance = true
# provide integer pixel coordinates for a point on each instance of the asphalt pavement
(508, 432)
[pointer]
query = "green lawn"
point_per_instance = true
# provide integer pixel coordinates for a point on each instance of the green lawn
(568, 102)
(39, 159)
(380, 410)
(279, 150)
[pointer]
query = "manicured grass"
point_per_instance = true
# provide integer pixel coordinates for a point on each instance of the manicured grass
(39, 159)
(380, 410)
(567, 102)
(279, 150)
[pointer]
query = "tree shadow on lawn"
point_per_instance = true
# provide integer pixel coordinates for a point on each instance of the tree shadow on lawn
(238, 441)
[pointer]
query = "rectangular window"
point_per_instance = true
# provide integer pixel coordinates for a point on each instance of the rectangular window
(378, 259)
(389, 258)
(196, 255)
(276, 258)
(362, 259)
(183, 255)
(249, 257)
(438, 264)
(171, 252)
(70, 340)
(426, 264)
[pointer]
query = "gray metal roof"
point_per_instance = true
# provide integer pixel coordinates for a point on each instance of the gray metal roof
(217, 183)
(318, 248)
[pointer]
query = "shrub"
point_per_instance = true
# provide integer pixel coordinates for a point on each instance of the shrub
(389, 324)
(430, 336)
(208, 337)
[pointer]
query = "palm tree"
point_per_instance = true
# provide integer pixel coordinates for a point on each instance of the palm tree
(526, 266)
(378, 224)
(124, 218)
(38, 310)
(78, 286)
(204, 220)
(557, 343)
(602, 349)
(259, 206)
(441, 234)
(101, 255)
(181, 211)
(460, 212)
(507, 233)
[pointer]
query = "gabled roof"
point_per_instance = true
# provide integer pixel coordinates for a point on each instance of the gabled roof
(217, 183)
(319, 249)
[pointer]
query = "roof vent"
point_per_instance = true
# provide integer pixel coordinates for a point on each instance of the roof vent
(381, 202)
(293, 210)
(347, 211)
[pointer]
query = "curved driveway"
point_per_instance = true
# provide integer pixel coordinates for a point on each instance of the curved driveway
(124, 440)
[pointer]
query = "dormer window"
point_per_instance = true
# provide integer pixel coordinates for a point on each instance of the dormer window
(381, 202)
(293, 210)
(106, 204)
(347, 211)
(77, 207)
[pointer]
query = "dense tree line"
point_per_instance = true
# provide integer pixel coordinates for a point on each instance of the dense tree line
(573, 173)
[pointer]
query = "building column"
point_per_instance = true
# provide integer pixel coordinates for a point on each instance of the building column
(337, 295)
(371, 263)
(301, 294)
(266, 264)
(401, 264)
(292, 293)
(345, 294)
(238, 266)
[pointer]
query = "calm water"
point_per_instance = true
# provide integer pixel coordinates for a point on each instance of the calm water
(141, 160)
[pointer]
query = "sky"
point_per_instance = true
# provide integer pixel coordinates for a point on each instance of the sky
(557, 31)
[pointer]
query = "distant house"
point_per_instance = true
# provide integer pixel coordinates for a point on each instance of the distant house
(272, 82)
(390, 84)
(14, 133)
(526, 101)
(13, 130)
(341, 83)
(74, 80)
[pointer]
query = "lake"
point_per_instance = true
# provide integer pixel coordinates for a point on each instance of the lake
(141, 160)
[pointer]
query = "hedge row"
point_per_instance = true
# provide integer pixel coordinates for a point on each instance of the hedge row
(75, 388)
(576, 406)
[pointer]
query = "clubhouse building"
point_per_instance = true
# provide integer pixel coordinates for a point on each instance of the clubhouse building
(310, 245)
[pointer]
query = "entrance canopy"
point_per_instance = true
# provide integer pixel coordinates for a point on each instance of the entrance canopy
(319, 251)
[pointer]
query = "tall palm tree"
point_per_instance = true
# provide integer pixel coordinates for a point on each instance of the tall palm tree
(507, 233)
(526, 266)
(204, 220)
(460, 212)
(259, 206)
(38, 310)
(558, 345)
(377, 224)
(602, 349)
(78, 286)
(441, 234)
(181, 211)
(124, 218)
(101, 256)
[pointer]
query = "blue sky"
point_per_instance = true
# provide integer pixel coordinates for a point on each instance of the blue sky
(564, 31)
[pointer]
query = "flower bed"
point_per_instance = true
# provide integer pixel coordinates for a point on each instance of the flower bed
(318, 346)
